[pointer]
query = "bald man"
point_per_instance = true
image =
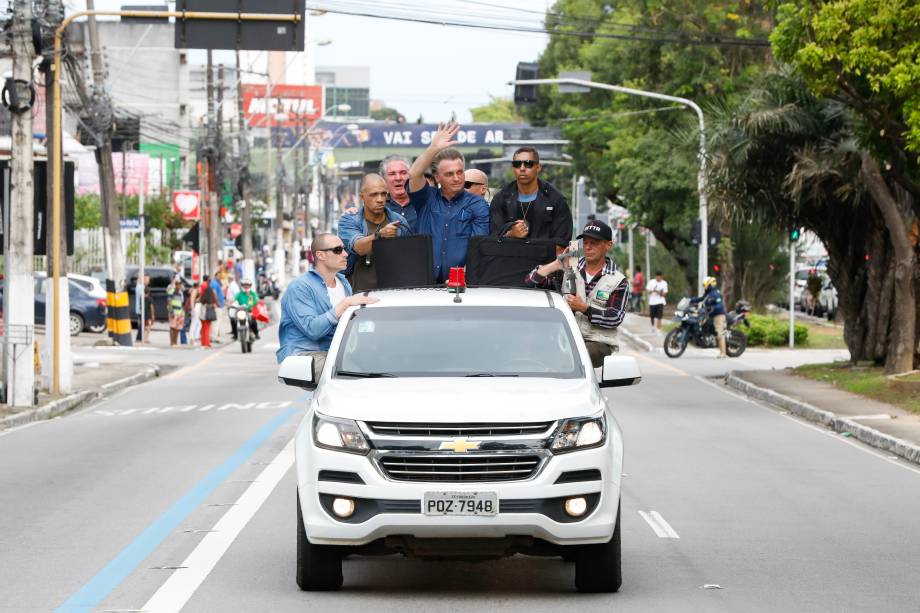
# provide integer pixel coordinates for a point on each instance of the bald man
(476, 182)
(314, 302)
(373, 221)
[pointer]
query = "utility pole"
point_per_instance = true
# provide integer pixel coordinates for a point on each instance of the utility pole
(272, 200)
(249, 269)
(211, 249)
(18, 297)
(52, 16)
(215, 239)
(103, 122)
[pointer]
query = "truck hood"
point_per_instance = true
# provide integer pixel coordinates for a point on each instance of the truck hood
(479, 400)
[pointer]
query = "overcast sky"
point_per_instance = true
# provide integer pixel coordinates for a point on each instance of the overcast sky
(419, 68)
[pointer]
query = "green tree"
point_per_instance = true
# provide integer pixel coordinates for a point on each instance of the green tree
(388, 114)
(87, 212)
(499, 110)
(866, 53)
(625, 145)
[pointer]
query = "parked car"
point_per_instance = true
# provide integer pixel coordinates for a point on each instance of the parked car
(87, 312)
(93, 286)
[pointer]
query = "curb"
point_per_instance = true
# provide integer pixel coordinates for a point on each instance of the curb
(870, 436)
(77, 399)
(638, 343)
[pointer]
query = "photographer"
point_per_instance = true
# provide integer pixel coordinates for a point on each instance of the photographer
(598, 292)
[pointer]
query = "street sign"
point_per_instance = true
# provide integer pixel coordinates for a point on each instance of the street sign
(581, 75)
(187, 204)
(131, 224)
(242, 35)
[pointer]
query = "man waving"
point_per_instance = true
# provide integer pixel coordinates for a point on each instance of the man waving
(449, 213)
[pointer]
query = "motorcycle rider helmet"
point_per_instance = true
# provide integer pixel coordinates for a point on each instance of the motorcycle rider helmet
(709, 282)
(246, 281)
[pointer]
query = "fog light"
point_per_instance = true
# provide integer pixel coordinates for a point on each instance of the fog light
(576, 507)
(345, 507)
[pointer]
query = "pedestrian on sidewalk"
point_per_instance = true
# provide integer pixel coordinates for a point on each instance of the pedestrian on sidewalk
(194, 315)
(657, 297)
(638, 284)
(208, 306)
(142, 288)
(175, 304)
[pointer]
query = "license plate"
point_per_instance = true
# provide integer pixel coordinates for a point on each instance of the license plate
(460, 503)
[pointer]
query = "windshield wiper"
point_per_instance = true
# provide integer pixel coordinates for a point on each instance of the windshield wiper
(364, 375)
(492, 374)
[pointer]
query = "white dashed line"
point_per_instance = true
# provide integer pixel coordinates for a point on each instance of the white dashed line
(191, 573)
(661, 528)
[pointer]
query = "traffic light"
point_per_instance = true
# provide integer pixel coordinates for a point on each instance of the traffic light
(713, 236)
(525, 94)
(794, 235)
(696, 233)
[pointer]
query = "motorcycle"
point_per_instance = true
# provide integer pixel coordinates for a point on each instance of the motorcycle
(243, 331)
(695, 326)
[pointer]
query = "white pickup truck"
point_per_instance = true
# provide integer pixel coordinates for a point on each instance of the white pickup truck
(459, 430)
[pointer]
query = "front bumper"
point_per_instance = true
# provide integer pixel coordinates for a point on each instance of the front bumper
(396, 510)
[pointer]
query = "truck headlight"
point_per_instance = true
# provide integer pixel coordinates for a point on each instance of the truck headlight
(580, 433)
(338, 434)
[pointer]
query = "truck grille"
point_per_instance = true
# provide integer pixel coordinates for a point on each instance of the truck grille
(452, 469)
(446, 429)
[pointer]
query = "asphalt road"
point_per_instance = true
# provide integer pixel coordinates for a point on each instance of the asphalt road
(99, 508)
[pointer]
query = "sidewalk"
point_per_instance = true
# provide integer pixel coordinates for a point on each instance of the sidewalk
(875, 423)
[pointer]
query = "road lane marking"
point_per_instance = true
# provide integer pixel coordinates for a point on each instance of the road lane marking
(896, 460)
(88, 597)
(186, 408)
(658, 524)
(662, 365)
(181, 585)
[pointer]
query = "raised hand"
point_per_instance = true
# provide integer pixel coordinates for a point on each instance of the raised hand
(444, 137)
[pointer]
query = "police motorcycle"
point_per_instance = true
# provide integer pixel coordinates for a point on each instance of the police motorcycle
(695, 326)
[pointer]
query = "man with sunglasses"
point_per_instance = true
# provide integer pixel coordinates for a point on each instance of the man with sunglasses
(449, 214)
(476, 183)
(314, 302)
(530, 207)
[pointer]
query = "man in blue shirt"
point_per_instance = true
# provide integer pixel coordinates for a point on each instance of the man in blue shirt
(361, 230)
(395, 171)
(313, 303)
(449, 213)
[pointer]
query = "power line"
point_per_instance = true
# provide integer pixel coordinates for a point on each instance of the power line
(683, 38)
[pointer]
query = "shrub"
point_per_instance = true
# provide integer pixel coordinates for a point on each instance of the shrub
(773, 332)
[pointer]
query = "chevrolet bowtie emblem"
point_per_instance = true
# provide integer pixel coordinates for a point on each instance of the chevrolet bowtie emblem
(459, 445)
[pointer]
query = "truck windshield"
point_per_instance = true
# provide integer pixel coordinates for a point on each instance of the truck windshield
(458, 342)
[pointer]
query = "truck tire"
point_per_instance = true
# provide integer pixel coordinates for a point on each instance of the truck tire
(598, 567)
(319, 567)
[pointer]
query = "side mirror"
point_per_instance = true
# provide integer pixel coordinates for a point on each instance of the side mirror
(619, 371)
(297, 371)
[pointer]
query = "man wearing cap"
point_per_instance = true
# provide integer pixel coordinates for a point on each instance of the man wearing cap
(600, 291)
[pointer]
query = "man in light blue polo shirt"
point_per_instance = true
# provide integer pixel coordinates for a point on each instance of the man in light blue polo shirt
(449, 213)
(313, 303)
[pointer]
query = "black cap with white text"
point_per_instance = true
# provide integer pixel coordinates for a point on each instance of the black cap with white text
(597, 229)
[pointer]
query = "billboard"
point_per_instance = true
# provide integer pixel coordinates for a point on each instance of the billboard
(328, 134)
(187, 204)
(294, 102)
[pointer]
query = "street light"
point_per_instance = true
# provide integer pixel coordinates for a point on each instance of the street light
(703, 261)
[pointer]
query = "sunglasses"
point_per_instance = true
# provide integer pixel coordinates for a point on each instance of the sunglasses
(524, 163)
(469, 184)
(338, 249)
